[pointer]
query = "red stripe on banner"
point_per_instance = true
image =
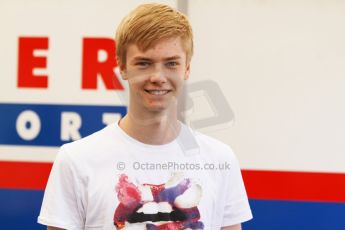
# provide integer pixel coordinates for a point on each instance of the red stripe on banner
(24, 175)
(298, 186)
(260, 184)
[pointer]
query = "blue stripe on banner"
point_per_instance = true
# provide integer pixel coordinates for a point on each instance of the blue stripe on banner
(50, 121)
(288, 215)
(19, 210)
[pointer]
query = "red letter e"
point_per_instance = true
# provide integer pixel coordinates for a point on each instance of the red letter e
(27, 62)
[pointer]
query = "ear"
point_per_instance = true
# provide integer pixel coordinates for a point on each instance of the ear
(186, 74)
(122, 67)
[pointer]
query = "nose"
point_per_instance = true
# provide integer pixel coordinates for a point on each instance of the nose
(158, 76)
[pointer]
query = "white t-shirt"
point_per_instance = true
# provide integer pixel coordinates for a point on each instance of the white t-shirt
(109, 180)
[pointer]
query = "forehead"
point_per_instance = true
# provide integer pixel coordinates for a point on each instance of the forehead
(162, 49)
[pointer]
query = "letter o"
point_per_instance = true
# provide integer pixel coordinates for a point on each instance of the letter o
(28, 133)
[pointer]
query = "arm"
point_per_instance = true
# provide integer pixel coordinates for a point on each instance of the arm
(232, 227)
(236, 205)
(63, 199)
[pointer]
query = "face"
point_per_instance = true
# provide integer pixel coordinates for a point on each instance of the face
(155, 76)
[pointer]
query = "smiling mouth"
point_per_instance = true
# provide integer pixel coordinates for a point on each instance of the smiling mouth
(176, 218)
(157, 92)
(168, 206)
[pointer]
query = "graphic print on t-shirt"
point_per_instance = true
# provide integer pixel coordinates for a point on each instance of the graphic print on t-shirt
(169, 206)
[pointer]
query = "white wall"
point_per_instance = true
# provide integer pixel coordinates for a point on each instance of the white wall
(281, 66)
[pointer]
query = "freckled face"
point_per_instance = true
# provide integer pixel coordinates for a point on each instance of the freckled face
(156, 76)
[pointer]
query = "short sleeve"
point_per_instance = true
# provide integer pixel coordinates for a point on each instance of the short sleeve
(62, 204)
(236, 205)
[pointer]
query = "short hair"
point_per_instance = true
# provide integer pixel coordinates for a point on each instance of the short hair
(149, 23)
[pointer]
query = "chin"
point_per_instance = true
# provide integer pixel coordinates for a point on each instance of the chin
(158, 107)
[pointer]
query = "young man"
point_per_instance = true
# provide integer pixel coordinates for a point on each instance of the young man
(140, 173)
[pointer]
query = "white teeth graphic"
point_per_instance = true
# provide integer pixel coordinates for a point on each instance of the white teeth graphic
(150, 208)
(135, 226)
(158, 92)
(164, 207)
(154, 208)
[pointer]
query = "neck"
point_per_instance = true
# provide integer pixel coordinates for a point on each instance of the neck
(155, 128)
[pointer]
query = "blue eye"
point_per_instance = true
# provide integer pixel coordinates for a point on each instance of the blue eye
(172, 64)
(142, 64)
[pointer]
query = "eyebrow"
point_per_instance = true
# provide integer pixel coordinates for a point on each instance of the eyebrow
(141, 58)
(172, 58)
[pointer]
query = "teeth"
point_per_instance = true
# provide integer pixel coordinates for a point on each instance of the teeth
(135, 226)
(150, 208)
(164, 207)
(154, 208)
(157, 92)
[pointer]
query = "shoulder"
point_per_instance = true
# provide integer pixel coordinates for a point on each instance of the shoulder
(212, 143)
(89, 145)
(214, 147)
